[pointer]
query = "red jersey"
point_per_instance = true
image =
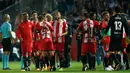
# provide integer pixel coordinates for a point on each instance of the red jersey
(59, 28)
(96, 23)
(88, 28)
(44, 32)
(24, 31)
(37, 32)
(103, 25)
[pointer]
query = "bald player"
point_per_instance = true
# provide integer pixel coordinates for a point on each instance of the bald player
(5, 32)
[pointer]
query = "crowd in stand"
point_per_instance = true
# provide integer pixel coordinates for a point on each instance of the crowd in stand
(6, 3)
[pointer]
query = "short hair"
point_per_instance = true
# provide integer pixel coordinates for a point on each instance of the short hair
(40, 17)
(44, 14)
(34, 11)
(111, 11)
(87, 15)
(24, 13)
(6, 17)
(58, 12)
(117, 9)
(104, 13)
(92, 14)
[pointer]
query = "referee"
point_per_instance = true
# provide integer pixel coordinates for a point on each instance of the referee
(5, 33)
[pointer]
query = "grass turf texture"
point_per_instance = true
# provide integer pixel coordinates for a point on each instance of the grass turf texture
(76, 67)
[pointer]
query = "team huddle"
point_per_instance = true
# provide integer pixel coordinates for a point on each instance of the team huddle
(42, 39)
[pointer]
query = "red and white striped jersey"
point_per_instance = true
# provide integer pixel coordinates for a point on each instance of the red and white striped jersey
(44, 32)
(88, 27)
(59, 28)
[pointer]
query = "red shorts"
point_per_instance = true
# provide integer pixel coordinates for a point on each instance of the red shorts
(47, 45)
(59, 46)
(26, 47)
(88, 47)
(124, 44)
(36, 45)
(106, 43)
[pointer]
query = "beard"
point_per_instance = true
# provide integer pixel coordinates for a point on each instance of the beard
(57, 18)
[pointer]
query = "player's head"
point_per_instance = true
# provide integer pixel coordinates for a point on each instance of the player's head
(44, 16)
(105, 15)
(111, 11)
(34, 14)
(49, 17)
(25, 16)
(57, 15)
(117, 9)
(86, 15)
(6, 17)
(40, 18)
(93, 16)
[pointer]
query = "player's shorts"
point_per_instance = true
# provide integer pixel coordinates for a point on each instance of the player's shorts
(59, 46)
(26, 47)
(36, 45)
(47, 45)
(116, 45)
(6, 43)
(88, 47)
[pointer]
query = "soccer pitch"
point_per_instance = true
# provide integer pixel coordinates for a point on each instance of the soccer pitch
(76, 67)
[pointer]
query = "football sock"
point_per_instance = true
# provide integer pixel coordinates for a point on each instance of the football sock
(7, 60)
(93, 61)
(52, 60)
(3, 61)
(83, 59)
(22, 63)
(25, 62)
(37, 61)
(106, 61)
(29, 61)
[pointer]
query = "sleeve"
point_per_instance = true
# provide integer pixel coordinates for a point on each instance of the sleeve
(9, 27)
(33, 26)
(97, 25)
(50, 27)
(18, 32)
(80, 26)
(109, 25)
(65, 26)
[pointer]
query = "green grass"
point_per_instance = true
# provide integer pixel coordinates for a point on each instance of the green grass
(75, 68)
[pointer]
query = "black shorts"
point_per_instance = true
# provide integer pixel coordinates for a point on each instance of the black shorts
(116, 45)
(7, 46)
(128, 48)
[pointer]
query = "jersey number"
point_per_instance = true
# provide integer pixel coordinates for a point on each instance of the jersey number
(118, 25)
